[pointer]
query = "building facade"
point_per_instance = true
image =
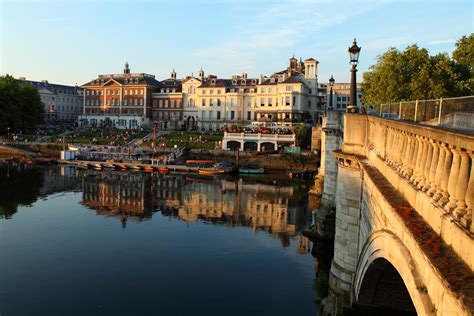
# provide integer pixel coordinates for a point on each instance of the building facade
(167, 108)
(62, 103)
(341, 94)
(119, 100)
(288, 97)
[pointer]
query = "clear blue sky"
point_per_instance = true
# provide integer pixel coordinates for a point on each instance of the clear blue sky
(73, 41)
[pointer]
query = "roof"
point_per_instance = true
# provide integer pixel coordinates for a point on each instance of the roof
(124, 79)
(55, 88)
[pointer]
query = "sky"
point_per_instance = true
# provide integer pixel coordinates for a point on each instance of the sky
(71, 42)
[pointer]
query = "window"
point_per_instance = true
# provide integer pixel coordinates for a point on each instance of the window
(211, 91)
(249, 115)
(218, 115)
(141, 91)
(262, 90)
(218, 102)
(294, 101)
(310, 91)
(289, 88)
(203, 114)
(136, 92)
(203, 102)
(211, 102)
(203, 91)
(172, 104)
(262, 102)
(125, 102)
(135, 102)
(309, 103)
(218, 91)
(211, 113)
(166, 103)
(287, 101)
(232, 115)
(160, 103)
(269, 101)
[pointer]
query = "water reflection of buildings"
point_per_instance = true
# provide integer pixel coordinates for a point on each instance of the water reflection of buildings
(125, 196)
(136, 196)
(260, 206)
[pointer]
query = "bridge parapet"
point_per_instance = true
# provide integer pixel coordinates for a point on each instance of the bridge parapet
(433, 168)
(404, 193)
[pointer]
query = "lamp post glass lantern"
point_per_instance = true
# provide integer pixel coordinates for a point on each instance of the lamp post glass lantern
(331, 84)
(354, 52)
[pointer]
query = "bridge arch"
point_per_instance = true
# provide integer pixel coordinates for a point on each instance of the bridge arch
(265, 146)
(384, 253)
(233, 145)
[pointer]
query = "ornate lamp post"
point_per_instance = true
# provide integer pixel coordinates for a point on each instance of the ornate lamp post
(354, 51)
(331, 84)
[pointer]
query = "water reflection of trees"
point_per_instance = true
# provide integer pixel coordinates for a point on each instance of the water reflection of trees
(20, 185)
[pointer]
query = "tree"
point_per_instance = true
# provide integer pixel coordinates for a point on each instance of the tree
(413, 74)
(464, 58)
(20, 105)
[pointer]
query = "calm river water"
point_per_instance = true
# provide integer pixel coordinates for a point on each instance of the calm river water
(83, 242)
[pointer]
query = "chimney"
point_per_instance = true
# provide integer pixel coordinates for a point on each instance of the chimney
(22, 78)
(260, 80)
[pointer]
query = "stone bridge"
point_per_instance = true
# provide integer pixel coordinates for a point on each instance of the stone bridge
(403, 195)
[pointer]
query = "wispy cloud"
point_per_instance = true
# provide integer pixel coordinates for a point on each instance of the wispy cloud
(442, 41)
(282, 25)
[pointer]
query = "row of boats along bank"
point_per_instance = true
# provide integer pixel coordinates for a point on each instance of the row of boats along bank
(203, 167)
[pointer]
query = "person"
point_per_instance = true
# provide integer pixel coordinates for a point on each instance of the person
(371, 110)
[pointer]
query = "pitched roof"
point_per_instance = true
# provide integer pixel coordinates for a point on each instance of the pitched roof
(124, 79)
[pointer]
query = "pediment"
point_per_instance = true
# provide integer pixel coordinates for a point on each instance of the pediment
(111, 82)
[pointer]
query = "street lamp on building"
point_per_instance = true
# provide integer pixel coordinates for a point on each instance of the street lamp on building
(331, 84)
(354, 51)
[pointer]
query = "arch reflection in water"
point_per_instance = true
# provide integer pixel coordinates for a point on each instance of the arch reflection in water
(274, 207)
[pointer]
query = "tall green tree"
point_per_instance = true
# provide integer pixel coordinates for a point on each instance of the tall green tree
(20, 105)
(412, 74)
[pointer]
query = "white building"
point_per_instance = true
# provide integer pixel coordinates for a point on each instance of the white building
(62, 103)
(285, 98)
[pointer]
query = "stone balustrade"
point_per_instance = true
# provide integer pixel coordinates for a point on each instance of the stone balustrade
(438, 162)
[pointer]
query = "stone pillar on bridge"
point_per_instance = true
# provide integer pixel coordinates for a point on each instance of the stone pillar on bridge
(331, 140)
(348, 214)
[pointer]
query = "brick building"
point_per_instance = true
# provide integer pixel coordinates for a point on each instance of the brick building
(119, 100)
(167, 106)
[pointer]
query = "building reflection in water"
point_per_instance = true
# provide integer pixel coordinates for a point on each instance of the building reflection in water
(274, 206)
(136, 196)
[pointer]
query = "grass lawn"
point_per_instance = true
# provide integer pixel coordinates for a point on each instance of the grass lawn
(180, 138)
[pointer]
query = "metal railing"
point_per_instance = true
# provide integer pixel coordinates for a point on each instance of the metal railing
(433, 112)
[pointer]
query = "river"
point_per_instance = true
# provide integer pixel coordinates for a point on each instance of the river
(84, 242)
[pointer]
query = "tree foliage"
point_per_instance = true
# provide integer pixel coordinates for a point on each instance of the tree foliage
(413, 74)
(20, 105)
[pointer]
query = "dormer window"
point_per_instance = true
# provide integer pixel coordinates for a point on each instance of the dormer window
(234, 81)
(213, 81)
(272, 80)
(136, 80)
(242, 81)
(254, 81)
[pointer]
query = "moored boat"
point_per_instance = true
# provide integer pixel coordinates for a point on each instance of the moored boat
(108, 165)
(212, 171)
(163, 169)
(148, 169)
(97, 166)
(251, 170)
(83, 165)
